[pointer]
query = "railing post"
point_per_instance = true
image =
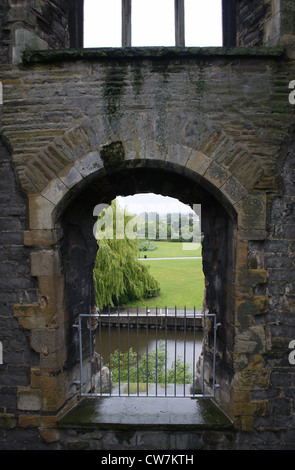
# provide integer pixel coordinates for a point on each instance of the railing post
(179, 23)
(81, 352)
(126, 23)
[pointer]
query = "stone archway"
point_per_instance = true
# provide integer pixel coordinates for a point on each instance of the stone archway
(101, 134)
(98, 176)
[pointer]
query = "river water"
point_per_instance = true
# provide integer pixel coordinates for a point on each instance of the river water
(188, 347)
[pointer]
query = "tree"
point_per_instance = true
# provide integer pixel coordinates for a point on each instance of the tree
(150, 368)
(119, 277)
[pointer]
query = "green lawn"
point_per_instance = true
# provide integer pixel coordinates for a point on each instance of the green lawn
(173, 249)
(182, 281)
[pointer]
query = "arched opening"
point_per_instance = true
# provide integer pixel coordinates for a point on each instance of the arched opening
(78, 249)
(158, 229)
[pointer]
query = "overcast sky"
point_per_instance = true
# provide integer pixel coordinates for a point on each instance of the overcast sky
(152, 23)
(152, 203)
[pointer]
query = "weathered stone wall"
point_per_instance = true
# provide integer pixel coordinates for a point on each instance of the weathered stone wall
(224, 122)
(39, 24)
(251, 19)
(17, 287)
(211, 126)
(276, 256)
(4, 33)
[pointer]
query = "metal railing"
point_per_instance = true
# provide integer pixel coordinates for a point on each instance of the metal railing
(147, 353)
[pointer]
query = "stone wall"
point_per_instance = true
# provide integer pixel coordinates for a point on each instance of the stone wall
(5, 33)
(276, 255)
(209, 126)
(251, 19)
(17, 287)
(39, 24)
(232, 152)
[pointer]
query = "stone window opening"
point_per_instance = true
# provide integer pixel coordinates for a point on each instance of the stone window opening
(133, 23)
(78, 249)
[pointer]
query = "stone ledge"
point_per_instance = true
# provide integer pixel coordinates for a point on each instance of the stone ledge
(146, 413)
(45, 56)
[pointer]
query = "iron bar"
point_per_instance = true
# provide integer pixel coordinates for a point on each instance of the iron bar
(194, 351)
(147, 352)
(175, 347)
(156, 351)
(165, 351)
(128, 352)
(119, 352)
(177, 321)
(109, 351)
(203, 363)
(91, 351)
(184, 349)
(100, 354)
(81, 353)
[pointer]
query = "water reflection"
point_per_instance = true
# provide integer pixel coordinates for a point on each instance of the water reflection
(186, 345)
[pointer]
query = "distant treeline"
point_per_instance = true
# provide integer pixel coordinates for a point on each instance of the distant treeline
(175, 227)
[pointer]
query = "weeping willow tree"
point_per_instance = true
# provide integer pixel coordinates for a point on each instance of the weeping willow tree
(119, 277)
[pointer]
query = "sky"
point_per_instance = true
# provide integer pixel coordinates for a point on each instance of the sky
(152, 203)
(152, 23)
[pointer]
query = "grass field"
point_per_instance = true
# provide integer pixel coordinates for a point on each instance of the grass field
(182, 280)
(173, 249)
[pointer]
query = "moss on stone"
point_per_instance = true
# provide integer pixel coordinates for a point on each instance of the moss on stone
(113, 155)
(126, 54)
(113, 90)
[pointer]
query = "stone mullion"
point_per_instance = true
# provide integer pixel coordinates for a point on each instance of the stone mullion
(179, 23)
(126, 23)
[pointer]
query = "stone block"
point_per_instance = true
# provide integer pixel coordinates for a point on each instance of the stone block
(30, 316)
(54, 399)
(7, 420)
(42, 238)
(178, 154)
(251, 211)
(45, 380)
(29, 400)
(70, 176)
(249, 278)
(45, 263)
(153, 150)
(233, 190)
(51, 289)
(89, 164)
(55, 191)
(27, 421)
(198, 162)
(25, 39)
(246, 423)
(49, 435)
(48, 341)
(250, 340)
(40, 213)
(53, 360)
(217, 175)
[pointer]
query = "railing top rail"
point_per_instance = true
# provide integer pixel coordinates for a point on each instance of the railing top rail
(99, 315)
